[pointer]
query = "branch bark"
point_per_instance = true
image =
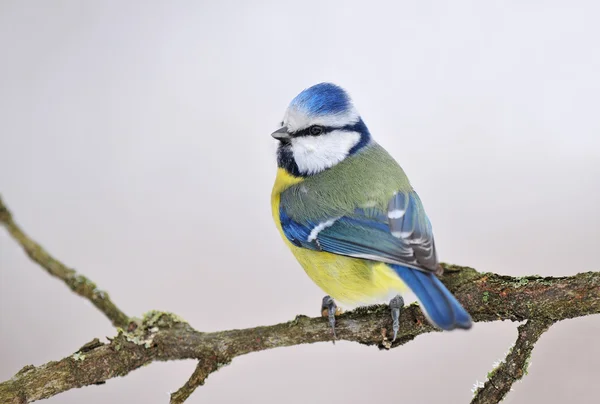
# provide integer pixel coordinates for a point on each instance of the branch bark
(514, 367)
(204, 368)
(77, 283)
(162, 336)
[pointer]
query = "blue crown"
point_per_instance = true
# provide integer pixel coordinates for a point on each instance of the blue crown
(322, 99)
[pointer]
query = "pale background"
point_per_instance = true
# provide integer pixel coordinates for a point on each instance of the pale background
(134, 145)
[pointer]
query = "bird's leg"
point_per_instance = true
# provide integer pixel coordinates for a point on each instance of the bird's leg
(396, 304)
(329, 309)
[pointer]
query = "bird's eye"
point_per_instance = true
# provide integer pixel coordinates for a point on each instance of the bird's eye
(315, 130)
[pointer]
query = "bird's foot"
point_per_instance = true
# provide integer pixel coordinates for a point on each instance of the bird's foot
(396, 304)
(329, 309)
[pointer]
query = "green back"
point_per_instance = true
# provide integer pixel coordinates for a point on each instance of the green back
(367, 179)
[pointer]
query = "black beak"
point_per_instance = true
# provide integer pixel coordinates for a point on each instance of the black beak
(281, 134)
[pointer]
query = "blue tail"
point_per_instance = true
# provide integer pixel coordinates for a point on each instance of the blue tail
(437, 303)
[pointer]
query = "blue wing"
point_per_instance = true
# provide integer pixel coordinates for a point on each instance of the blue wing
(402, 235)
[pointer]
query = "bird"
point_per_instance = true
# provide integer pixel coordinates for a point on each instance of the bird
(347, 211)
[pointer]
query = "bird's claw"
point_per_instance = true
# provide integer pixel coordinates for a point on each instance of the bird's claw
(396, 304)
(329, 310)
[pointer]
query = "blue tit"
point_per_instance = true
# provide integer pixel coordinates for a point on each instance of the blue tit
(348, 213)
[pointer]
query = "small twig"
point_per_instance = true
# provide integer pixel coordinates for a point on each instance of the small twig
(514, 366)
(77, 283)
(204, 368)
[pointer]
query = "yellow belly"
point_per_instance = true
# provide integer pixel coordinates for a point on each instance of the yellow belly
(350, 281)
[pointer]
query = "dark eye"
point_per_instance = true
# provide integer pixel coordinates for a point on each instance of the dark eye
(315, 130)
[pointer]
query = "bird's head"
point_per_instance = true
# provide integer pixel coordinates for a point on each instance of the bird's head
(320, 128)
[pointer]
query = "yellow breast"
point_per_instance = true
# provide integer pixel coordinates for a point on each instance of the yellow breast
(350, 281)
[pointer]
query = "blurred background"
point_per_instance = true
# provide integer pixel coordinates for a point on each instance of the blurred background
(135, 147)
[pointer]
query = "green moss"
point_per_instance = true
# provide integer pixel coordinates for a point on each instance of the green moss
(526, 366)
(80, 281)
(486, 296)
(136, 339)
(150, 318)
(375, 308)
(78, 356)
(297, 320)
(520, 282)
(146, 329)
(451, 267)
(25, 369)
(155, 318)
(546, 281)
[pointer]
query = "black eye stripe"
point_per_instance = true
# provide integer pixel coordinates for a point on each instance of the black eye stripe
(307, 131)
(355, 127)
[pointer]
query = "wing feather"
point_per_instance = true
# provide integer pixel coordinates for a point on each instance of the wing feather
(402, 235)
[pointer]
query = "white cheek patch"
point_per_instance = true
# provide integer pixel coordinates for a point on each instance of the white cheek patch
(314, 154)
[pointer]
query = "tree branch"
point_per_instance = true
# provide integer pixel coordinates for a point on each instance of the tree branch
(204, 368)
(163, 336)
(77, 283)
(514, 367)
